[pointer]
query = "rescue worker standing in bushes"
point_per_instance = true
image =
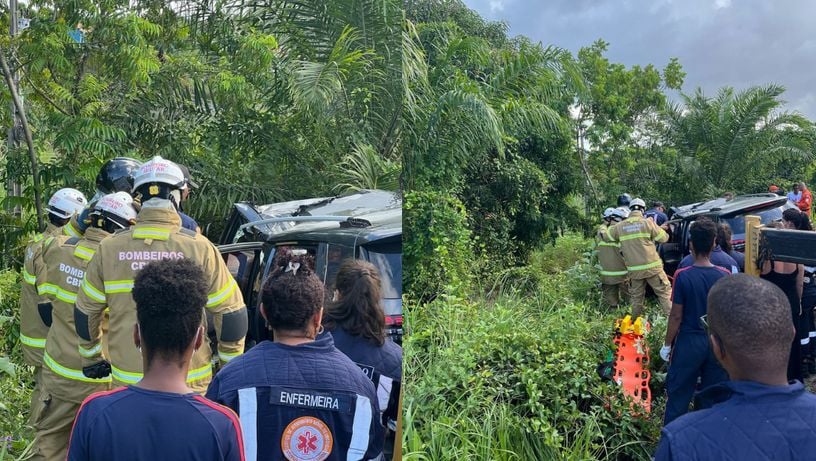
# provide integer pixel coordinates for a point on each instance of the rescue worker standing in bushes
(156, 235)
(614, 282)
(33, 327)
(64, 384)
(637, 237)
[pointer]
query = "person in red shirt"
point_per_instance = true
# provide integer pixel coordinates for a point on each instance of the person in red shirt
(807, 199)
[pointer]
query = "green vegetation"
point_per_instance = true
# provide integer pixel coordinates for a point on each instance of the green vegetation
(512, 146)
(263, 101)
(513, 376)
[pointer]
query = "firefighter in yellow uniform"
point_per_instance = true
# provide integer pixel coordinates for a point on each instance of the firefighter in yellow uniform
(33, 326)
(637, 237)
(156, 235)
(65, 385)
(614, 276)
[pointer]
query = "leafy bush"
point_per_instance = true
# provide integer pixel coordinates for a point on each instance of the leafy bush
(16, 379)
(514, 377)
(437, 250)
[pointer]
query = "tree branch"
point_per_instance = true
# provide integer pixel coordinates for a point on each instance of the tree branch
(45, 96)
(18, 105)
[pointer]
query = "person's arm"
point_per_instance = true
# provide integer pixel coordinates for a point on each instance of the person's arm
(658, 234)
(376, 437)
(676, 314)
(612, 233)
(800, 280)
(88, 311)
(226, 303)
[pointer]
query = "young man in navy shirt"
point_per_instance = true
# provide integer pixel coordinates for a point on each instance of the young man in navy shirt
(160, 417)
(686, 342)
(758, 414)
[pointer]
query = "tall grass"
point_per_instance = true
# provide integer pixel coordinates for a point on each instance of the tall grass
(510, 374)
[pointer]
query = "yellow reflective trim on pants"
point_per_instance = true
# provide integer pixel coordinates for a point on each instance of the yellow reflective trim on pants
(614, 273)
(69, 373)
(639, 235)
(133, 377)
(643, 267)
(219, 296)
(607, 244)
(92, 292)
(88, 353)
(118, 286)
(84, 253)
(156, 233)
(70, 230)
(32, 342)
(227, 356)
(28, 278)
(38, 237)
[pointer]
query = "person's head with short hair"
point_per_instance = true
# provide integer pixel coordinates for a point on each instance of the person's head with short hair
(728, 196)
(292, 296)
(188, 182)
(750, 328)
(796, 188)
(170, 297)
(703, 234)
(358, 308)
(658, 205)
(724, 237)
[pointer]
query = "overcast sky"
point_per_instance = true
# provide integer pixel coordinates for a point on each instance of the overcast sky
(735, 43)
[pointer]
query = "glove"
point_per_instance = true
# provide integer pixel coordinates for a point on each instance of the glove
(665, 352)
(98, 370)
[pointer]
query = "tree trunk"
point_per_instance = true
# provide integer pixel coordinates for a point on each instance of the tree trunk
(35, 172)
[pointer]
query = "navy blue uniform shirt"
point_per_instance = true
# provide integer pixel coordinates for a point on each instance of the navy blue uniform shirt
(305, 402)
(659, 217)
(691, 287)
(131, 423)
(187, 222)
(752, 421)
(718, 258)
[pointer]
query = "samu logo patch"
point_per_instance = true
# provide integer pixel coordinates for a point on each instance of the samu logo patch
(307, 439)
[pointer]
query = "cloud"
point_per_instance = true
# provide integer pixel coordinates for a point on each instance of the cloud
(719, 43)
(496, 5)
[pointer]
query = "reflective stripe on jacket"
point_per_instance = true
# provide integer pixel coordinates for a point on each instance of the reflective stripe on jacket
(637, 237)
(613, 269)
(67, 262)
(32, 328)
(108, 282)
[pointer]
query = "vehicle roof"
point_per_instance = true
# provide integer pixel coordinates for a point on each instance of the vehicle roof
(382, 209)
(726, 208)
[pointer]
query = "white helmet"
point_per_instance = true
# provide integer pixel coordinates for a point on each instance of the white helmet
(160, 171)
(621, 213)
(637, 203)
(116, 207)
(608, 213)
(65, 202)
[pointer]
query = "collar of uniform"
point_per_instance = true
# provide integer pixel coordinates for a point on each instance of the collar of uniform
(635, 214)
(94, 235)
(723, 391)
(163, 216)
(323, 342)
(50, 229)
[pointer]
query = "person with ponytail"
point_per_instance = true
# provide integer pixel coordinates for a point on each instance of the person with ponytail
(298, 396)
(356, 320)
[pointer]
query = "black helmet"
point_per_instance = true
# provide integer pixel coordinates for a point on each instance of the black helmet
(116, 175)
(624, 199)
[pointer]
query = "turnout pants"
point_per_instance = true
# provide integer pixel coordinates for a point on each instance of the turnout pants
(691, 358)
(661, 286)
(614, 295)
(35, 407)
(54, 427)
